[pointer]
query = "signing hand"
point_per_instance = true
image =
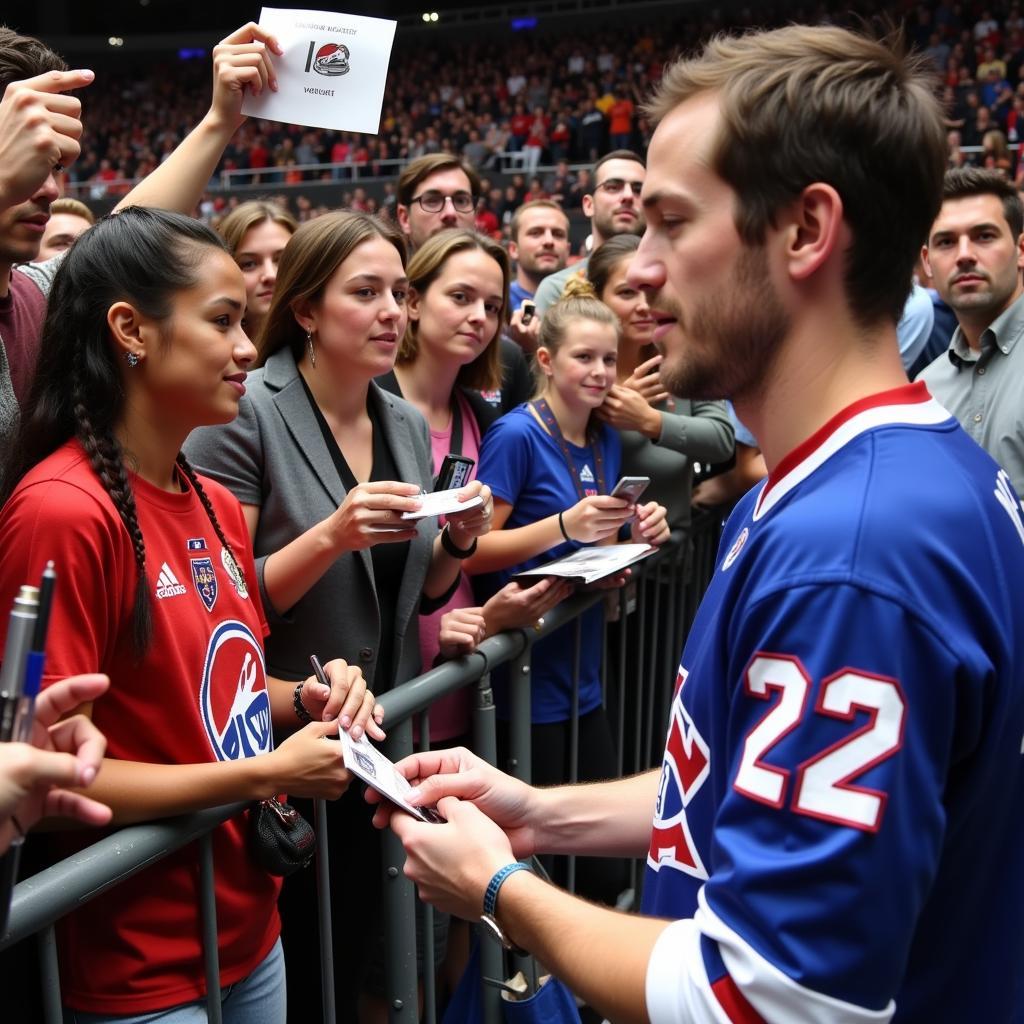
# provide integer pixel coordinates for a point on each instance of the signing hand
(436, 774)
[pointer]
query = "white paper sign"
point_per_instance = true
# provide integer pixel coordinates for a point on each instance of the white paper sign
(333, 71)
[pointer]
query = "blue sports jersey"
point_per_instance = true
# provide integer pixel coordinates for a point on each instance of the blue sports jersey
(841, 806)
(523, 465)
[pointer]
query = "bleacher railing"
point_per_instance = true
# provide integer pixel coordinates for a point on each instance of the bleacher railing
(646, 624)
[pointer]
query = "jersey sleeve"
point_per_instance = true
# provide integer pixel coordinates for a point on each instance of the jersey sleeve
(505, 458)
(95, 566)
(843, 709)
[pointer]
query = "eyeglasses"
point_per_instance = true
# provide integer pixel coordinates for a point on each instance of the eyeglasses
(613, 186)
(433, 202)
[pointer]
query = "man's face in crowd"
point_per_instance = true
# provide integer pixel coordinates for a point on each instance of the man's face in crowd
(542, 245)
(614, 205)
(22, 226)
(720, 318)
(61, 230)
(973, 258)
(419, 225)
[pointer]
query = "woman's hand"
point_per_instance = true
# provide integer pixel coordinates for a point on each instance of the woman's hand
(629, 405)
(518, 607)
(650, 525)
(461, 630)
(309, 763)
(465, 527)
(372, 514)
(242, 61)
(596, 517)
(346, 699)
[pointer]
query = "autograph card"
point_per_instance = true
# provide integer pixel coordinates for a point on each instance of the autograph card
(366, 762)
(442, 503)
(333, 71)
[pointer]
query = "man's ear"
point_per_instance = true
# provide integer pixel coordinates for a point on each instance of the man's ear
(814, 230)
(1020, 251)
(588, 205)
(132, 332)
(402, 216)
(926, 263)
(513, 250)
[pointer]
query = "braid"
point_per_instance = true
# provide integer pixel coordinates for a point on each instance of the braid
(107, 461)
(193, 479)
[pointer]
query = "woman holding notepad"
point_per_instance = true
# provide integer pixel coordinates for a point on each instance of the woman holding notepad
(551, 466)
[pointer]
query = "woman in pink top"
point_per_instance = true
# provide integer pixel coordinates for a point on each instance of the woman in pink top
(458, 300)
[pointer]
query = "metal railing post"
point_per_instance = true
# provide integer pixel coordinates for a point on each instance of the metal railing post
(49, 975)
(208, 905)
(399, 906)
(520, 736)
(323, 910)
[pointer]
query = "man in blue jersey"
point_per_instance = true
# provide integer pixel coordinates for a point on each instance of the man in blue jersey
(837, 824)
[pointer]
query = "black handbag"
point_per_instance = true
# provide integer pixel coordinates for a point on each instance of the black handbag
(280, 839)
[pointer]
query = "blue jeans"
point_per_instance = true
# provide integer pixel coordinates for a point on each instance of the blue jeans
(257, 999)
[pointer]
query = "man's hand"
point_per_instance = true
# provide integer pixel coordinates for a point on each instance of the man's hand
(39, 130)
(436, 774)
(63, 752)
(452, 862)
(347, 699)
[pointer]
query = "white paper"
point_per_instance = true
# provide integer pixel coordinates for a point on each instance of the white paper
(366, 762)
(333, 71)
(442, 503)
(590, 564)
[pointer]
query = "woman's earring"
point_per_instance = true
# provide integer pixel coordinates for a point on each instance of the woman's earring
(133, 360)
(309, 343)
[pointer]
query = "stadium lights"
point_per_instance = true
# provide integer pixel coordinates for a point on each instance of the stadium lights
(115, 41)
(429, 16)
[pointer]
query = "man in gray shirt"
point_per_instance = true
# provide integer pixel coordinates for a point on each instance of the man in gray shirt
(974, 254)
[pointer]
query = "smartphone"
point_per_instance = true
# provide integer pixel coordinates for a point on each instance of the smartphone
(631, 487)
(454, 472)
(529, 311)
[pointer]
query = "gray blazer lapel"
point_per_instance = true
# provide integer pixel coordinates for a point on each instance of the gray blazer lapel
(295, 411)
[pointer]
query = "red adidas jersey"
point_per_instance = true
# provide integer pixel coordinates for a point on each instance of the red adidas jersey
(199, 694)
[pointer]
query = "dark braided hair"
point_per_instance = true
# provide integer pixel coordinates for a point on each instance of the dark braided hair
(142, 257)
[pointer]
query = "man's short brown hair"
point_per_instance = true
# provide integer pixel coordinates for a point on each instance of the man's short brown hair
(821, 104)
(964, 182)
(418, 170)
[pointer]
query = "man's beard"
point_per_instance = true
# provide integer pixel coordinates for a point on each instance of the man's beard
(731, 339)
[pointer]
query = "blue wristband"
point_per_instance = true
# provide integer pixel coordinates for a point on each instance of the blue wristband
(491, 895)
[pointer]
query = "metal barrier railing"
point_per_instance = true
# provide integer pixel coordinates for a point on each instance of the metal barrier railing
(653, 615)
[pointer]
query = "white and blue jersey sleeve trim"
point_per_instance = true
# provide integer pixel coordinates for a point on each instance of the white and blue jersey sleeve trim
(679, 990)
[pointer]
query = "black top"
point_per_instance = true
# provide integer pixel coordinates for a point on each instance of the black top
(388, 559)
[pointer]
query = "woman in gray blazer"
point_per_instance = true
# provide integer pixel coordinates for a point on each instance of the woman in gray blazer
(324, 463)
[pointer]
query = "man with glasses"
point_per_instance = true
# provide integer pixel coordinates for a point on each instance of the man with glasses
(613, 208)
(435, 192)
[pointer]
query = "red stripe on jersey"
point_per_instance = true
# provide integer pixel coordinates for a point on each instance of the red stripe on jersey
(732, 1000)
(907, 394)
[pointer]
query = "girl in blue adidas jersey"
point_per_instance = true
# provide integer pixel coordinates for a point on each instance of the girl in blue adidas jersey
(550, 465)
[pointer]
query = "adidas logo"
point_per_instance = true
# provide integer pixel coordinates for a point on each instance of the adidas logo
(167, 584)
(587, 475)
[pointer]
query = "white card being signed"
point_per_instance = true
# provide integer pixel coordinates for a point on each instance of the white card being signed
(442, 503)
(333, 71)
(366, 762)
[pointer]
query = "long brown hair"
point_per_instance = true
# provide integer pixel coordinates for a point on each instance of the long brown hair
(243, 218)
(428, 263)
(308, 262)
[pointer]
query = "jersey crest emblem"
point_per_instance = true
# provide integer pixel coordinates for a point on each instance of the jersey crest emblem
(737, 547)
(686, 766)
(205, 580)
(233, 698)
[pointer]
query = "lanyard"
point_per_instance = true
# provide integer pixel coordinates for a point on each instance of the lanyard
(548, 419)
